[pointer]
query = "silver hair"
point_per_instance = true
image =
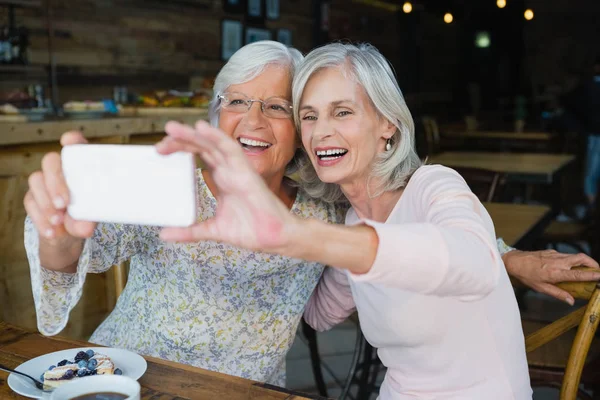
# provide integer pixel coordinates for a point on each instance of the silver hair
(364, 65)
(246, 64)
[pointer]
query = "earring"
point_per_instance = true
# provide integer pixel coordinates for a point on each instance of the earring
(388, 145)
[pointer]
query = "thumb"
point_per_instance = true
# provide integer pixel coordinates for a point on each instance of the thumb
(72, 137)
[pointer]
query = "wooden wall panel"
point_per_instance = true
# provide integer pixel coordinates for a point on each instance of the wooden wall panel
(156, 44)
(16, 163)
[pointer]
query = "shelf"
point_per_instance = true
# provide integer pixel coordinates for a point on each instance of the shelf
(21, 3)
(9, 70)
(19, 68)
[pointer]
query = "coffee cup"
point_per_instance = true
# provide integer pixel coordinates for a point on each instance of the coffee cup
(105, 387)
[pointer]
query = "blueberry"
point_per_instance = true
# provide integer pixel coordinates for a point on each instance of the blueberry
(92, 364)
(82, 364)
(50, 368)
(82, 355)
(69, 374)
(81, 372)
(63, 362)
(94, 372)
(90, 353)
(42, 378)
(118, 372)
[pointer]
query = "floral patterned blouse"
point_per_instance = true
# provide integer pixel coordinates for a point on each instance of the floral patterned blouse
(205, 304)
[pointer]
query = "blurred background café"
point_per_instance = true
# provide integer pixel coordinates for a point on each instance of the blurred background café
(493, 86)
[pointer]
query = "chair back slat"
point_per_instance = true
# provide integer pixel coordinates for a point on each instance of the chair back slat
(581, 345)
(550, 332)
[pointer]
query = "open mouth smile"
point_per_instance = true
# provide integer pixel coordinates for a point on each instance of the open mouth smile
(254, 146)
(330, 156)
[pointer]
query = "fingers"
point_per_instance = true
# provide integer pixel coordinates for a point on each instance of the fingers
(574, 275)
(557, 293)
(187, 135)
(37, 189)
(195, 233)
(169, 145)
(583, 260)
(202, 141)
(54, 180)
(72, 137)
(37, 216)
(218, 138)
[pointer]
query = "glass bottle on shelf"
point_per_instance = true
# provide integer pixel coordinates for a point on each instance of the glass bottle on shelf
(6, 46)
(2, 40)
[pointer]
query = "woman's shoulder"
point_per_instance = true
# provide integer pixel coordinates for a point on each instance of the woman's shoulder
(430, 179)
(433, 172)
(310, 207)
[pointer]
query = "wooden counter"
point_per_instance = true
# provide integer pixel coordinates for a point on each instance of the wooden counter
(22, 146)
(16, 133)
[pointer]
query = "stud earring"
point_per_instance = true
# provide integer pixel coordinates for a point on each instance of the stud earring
(388, 145)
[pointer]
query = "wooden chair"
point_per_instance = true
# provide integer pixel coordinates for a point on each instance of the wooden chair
(120, 273)
(561, 363)
(432, 135)
(364, 369)
(311, 337)
(482, 182)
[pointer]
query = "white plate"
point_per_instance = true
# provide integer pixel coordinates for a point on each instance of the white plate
(133, 365)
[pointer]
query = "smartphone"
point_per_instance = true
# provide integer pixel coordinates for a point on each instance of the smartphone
(130, 184)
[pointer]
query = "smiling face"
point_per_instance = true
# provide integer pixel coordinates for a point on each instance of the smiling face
(340, 128)
(269, 143)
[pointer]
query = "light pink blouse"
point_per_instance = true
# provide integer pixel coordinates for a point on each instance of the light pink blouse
(437, 303)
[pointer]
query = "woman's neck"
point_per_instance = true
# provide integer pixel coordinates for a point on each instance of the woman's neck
(279, 185)
(376, 209)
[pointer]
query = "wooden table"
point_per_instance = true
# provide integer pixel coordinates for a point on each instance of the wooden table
(163, 380)
(518, 224)
(525, 167)
(501, 135)
(500, 140)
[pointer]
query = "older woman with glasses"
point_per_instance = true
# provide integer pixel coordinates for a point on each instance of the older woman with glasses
(207, 304)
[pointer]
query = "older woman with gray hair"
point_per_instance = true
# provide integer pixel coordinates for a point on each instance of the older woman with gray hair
(418, 259)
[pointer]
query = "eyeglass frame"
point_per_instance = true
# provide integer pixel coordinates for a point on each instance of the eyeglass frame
(221, 97)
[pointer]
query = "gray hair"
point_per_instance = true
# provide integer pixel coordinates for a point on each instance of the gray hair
(365, 65)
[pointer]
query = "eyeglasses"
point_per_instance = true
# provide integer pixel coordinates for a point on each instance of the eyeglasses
(240, 103)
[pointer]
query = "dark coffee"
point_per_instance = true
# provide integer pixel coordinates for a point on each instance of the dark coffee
(101, 396)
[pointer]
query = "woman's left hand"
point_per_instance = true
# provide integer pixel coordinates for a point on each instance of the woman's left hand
(542, 270)
(248, 214)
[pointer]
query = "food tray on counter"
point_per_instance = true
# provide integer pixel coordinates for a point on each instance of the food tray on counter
(164, 111)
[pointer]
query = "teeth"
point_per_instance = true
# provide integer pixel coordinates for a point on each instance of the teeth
(254, 143)
(330, 152)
